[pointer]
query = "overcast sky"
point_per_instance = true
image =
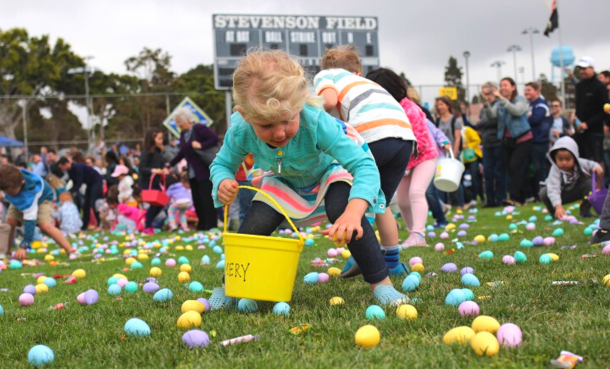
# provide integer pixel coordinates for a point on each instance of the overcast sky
(416, 37)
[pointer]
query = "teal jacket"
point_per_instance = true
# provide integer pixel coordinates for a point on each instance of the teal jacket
(319, 141)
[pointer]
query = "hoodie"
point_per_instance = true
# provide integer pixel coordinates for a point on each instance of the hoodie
(540, 119)
(559, 180)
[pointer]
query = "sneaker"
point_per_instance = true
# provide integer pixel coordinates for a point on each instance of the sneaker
(400, 270)
(601, 237)
(148, 231)
(441, 224)
(351, 269)
(389, 296)
(415, 239)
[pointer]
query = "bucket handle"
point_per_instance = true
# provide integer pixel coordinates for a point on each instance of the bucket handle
(274, 203)
(450, 151)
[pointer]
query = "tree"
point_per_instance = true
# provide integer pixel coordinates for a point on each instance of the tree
(453, 77)
(547, 89)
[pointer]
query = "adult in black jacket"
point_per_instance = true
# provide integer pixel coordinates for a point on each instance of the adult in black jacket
(152, 163)
(591, 95)
(111, 162)
(82, 174)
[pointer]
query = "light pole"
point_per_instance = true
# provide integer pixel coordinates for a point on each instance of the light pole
(466, 56)
(498, 64)
(532, 31)
(522, 73)
(514, 49)
(86, 70)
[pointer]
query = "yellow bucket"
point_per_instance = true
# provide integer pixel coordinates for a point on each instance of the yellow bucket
(261, 267)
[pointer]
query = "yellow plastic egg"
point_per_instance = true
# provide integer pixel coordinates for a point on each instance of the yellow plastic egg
(142, 257)
(41, 251)
(419, 268)
(480, 238)
(485, 343)
(346, 254)
(190, 319)
(79, 273)
(337, 301)
(485, 323)
(450, 226)
(554, 257)
(188, 248)
(119, 276)
(334, 272)
(461, 335)
(184, 277)
(36, 244)
(155, 272)
(509, 217)
(179, 248)
(41, 288)
(178, 238)
(130, 261)
(186, 268)
(62, 251)
(606, 281)
(367, 336)
(378, 236)
(49, 257)
(41, 279)
(171, 242)
(193, 305)
(406, 312)
(127, 251)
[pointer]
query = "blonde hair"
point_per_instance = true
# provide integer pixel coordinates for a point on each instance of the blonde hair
(270, 84)
(413, 95)
(65, 196)
(345, 57)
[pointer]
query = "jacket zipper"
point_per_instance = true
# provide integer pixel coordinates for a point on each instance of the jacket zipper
(279, 166)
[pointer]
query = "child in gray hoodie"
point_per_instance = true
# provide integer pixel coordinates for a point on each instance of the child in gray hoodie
(569, 179)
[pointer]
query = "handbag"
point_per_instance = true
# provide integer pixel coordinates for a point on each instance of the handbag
(597, 197)
(155, 197)
(208, 155)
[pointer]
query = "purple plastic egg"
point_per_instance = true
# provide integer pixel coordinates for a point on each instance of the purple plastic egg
(170, 263)
(150, 279)
(467, 270)
(464, 226)
(30, 288)
(549, 241)
(439, 247)
(196, 338)
(431, 234)
(81, 299)
(323, 278)
(509, 335)
(26, 299)
(205, 303)
(91, 297)
(538, 241)
(573, 221)
(507, 259)
(449, 268)
(415, 260)
(150, 287)
(469, 308)
(461, 233)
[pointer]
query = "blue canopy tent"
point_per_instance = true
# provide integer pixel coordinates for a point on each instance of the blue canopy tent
(9, 142)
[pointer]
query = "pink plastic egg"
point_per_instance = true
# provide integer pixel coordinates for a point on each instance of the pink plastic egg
(549, 241)
(170, 263)
(26, 299)
(507, 259)
(415, 260)
(439, 247)
(323, 278)
(469, 308)
(530, 226)
(606, 250)
(444, 235)
(81, 298)
(509, 335)
(122, 282)
(331, 253)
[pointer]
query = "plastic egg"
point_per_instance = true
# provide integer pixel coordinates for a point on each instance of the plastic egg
(112, 280)
(606, 250)
(538, 241)
(530, 226)
(49, 258)
(205, 260)
(79, 273)
(1, 310)
(480, 238)
(136, 265)
(606, 281)
(205, 303)
(406, 312)
(40, 355)
(418, 268)
(190, 319)
(367, 336)
(493, 238)
(470, 280)
(131, 287)
(30, 288)
(450, 226)
(520, 257)
(334, 272)
(150, 287)
(91, 297)
(41, 279)
(554, 257)
(346, 254)
(192, 305)
(41, 288)
(196, 338)
(217, 250)
(429, 228)
(444, 235)
(485, 323)
(337, 301)
(195, 287)
(155, 261)
(155, 272)
(323, 278)
(185, 268)
(587, 232)
(455, 297)
(544, 259)
(114, 289)
(415, 260)
(184, 277)
(469, 308)
(512, 227)
(468, 294)
(503, 237)
(449, 268)
(416, 274)
(331, 253)
(431, 234)
(311, 278)
(509, 335)
(507, 259)
(526, 243)
(375, 312)
(459, 335)
(558, 232)
(26, 299)
(170, 263)
(281, 308)
(122, 282)
(220, 264)
(485, 343)
(467, 270)
(15, 264)
(486, 255)
(163, 295)
(247, 305)
(461, 233)
(439, 247)
(137, 328)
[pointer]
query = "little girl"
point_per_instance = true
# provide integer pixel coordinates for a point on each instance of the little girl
(411, 192)
(181, 201)
(313, 163)
(68, 215)
(125, 185)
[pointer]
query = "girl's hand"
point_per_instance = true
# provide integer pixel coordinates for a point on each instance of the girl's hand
(227, 191)
(447, 147)
(196, 145)
(20, 254)
(350, 221)
(560, 212)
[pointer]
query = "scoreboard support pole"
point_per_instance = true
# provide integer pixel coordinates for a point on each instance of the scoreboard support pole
(228, 107)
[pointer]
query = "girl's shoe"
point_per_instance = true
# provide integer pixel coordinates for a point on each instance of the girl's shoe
(219, 300)
(148, 231)
(387, 295)
(414, 240)
(400, 270)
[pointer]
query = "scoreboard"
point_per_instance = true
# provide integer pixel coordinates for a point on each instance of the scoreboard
(304, 37)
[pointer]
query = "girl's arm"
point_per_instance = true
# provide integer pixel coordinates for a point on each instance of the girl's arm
(227, 161)
(458, 142)
(517, 109)
(438, 135)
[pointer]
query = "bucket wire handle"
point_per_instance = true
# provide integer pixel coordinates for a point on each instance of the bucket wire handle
(274, 203)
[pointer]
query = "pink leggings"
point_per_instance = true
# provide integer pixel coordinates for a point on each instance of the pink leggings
(411, 195)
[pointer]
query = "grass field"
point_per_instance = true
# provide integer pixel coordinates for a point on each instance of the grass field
(552, 318)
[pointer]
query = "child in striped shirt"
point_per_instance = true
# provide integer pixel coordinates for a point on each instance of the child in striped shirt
(382, 122)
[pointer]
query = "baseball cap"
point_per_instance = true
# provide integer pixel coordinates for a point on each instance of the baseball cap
(119, 170)
(586, 62)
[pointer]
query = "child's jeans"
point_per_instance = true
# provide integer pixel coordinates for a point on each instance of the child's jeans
(178, 208)
(576, 193)
(129, 224)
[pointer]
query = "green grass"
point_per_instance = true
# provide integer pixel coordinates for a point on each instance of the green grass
(552, 318)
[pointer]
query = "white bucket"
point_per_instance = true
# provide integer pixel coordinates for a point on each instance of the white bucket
(448, 173)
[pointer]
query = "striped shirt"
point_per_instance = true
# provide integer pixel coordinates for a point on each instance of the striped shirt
(365, 105)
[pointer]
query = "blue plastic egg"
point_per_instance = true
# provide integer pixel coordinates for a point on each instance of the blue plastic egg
(222, 256)
(114, 289)
(40, 355)
(183, 260)
(15, 264)
(459, 245)
(247, 306)
(429, 228)
(486, 255)
(416, 274)
(468, 293)
(455, 297)
(375, 312)
(309, 242)
(311, 278)
(195, 287)
(533, 219)
(136, 265)
(548, 218)
(281, 308)
(545, 259)
(493, 238)
(131, 287)
(163, 295)
(410, 283)
(1, 310)
(588, 231)
(137, 328)
(470, 280)
(220, 264)
(155, 261)
(526, 243)
(205, 259)
(217, 250)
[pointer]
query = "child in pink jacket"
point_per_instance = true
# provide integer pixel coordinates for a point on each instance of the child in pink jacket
(130, 218)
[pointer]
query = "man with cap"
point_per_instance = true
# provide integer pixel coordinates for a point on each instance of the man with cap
(591, 95)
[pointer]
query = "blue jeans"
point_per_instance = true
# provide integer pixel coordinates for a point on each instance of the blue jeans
(494, 172)
(540, 162)
(477, 184)
(434, 204)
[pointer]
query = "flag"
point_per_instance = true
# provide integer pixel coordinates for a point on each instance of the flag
(553, 21)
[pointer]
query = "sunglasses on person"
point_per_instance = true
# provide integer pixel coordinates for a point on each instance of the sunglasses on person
(555, 106)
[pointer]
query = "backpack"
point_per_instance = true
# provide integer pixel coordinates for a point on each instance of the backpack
(437, 122)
